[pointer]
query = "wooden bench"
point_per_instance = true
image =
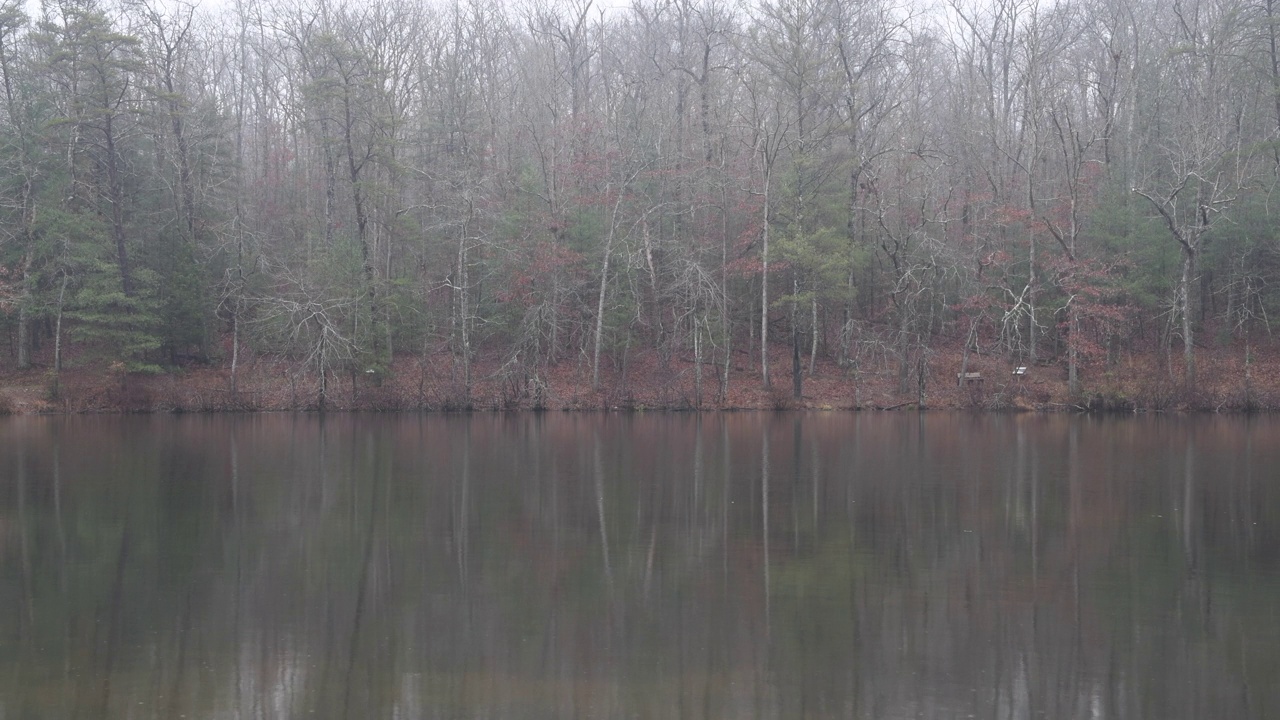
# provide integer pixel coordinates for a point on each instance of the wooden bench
(969, 378)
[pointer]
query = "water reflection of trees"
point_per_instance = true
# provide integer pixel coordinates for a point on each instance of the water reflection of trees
(601, 566)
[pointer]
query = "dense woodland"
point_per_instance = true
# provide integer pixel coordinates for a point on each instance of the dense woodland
(541, 183)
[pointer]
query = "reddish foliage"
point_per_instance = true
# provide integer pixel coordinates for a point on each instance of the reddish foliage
(542, 259)
(10, 278)
(1010, 215)
(1095, 305)
(648, 380)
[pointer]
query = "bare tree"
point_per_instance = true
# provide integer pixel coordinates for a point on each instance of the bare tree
(871, 40)
(1203, 164)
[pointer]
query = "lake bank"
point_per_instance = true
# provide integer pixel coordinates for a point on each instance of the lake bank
(1134, 383)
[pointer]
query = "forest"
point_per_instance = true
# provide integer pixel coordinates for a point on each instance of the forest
(488, 203)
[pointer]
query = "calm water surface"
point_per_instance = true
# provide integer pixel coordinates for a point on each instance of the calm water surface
(639, 566)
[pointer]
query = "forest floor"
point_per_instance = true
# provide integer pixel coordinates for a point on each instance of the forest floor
(1131, 383)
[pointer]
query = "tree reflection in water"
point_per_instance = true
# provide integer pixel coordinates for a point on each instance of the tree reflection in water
(599, 566)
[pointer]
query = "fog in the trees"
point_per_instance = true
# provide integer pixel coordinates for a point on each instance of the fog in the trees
(344, 183)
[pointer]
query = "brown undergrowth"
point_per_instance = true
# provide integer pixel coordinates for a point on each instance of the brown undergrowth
(1133, 383)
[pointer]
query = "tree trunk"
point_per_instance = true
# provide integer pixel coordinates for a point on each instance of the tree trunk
(764, 290)
(24, 316)
(461, 291)
(1031, 291)
(797, 376)
(904, 352)
(964, 358)
(725, 328)
(367, 255)
(1073, 368)
(324, 386)
(697, 363)
(57, 333)
(604, 287)
(115, 196)
(1274, 56)
(235, 350)
(1184, 300)
(813, 340)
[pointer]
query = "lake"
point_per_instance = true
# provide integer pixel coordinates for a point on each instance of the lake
(736, 565)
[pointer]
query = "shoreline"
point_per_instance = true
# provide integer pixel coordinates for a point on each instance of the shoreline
(648, 383)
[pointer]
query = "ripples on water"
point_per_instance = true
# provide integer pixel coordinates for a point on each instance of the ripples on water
(639, 566)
